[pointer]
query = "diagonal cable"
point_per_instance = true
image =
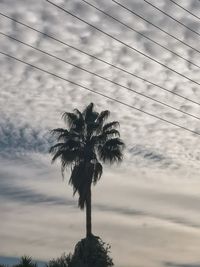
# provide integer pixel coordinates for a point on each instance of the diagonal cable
(156, 26)
(188, 11)
(100, 94)
(100, 76)
(100, 60)
(171, 17)
(141, 34)
(121, 42)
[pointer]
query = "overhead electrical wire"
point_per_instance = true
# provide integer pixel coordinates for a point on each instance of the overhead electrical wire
(141, 34)
(99, 93)
(194, 15)
(127, 45)
(171, 17)
(99, 76)
(156, 26)
(100, 60)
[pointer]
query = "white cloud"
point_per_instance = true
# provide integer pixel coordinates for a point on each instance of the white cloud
(150, 202)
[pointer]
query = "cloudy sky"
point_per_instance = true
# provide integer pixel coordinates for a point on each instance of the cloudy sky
(148, 207)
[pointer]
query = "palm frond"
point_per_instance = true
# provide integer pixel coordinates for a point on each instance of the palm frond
(92, 128)
(58, 131)
(112, 132)
(78, 124)
(69, 151)
(70, 118)
(74, 121)
(79, 114)
(110, 155)
(81, 180)
(89, 114)
(111, 150)
(88, 109)
(110, 125)
(57, 155)
(98, 170)
(70, 158)
(53, 149)
(104, 136)
(68, 144)
(65, 137)
(115, 142)
(103, 116)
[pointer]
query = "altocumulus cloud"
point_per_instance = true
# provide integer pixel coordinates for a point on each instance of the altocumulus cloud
(150, 202)
(22, 138)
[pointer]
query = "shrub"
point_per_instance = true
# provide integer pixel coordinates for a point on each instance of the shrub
(26, 261)
(89, 252)
(63, 261)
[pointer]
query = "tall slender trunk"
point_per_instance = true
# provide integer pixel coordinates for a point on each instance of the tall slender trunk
(88, 215)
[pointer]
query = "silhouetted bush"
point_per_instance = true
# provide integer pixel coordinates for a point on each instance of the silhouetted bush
(26, 261)
(89, 252)
(63, 261)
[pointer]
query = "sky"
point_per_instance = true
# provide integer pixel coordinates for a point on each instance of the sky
(147, 207)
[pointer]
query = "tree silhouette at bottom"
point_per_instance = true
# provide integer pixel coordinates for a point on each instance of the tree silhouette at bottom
(89, 252)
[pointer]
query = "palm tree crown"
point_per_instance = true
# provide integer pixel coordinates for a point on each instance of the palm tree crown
(86, 143)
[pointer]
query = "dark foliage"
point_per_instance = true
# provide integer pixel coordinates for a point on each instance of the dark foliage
(89, 252)
(63, 261)
(26, 261)
(86, 142)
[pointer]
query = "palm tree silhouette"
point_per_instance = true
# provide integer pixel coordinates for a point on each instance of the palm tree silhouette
(83, 145)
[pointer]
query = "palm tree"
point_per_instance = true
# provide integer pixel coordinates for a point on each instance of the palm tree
(83, 145)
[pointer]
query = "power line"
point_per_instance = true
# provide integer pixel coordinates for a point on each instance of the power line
(121, 42)
(194, 15)
(171, 17)
(99, 76)
(141, 34)
(101, 60)
(157, 27)
(99, 93)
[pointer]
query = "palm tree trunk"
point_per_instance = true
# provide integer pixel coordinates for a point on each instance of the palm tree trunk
(88, 215)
